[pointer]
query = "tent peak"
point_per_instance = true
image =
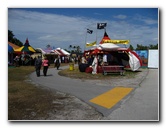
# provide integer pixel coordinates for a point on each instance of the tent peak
(105, 37)
(26, 42)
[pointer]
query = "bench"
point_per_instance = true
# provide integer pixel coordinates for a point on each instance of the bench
(113, 69)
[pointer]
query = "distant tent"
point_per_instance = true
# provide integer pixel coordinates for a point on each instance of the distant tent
(62, 52)
(26, 48)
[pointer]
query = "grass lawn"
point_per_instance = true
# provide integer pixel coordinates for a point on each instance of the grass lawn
(82, 75)
(26, 101)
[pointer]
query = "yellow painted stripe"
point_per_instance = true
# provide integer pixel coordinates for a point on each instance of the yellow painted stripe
(112, 97)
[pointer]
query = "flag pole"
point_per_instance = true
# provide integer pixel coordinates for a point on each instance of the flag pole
(85, 39)
(96, 34)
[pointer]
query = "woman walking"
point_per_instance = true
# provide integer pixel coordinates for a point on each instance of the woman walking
(45, 66)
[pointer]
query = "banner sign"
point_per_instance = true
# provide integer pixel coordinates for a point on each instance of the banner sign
(91, 44)
(116, 41)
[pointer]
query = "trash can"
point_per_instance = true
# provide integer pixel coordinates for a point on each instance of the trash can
(71, 67)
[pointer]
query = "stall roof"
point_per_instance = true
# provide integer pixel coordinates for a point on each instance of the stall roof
(14, 46)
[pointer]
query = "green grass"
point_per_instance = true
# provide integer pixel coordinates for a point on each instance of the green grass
(26, 101)
(83, 75)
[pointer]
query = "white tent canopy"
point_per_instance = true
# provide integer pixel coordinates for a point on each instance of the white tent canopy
(63, 51)
(134, 61)
(109, 46)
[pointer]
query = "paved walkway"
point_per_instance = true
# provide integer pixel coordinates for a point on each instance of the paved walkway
(89, 89)
(143, 104)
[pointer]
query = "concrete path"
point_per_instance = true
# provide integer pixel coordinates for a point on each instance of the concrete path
(88, 89)
(143, 104)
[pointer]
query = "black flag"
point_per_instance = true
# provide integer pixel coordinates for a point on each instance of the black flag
(101, 25)
(89, 31)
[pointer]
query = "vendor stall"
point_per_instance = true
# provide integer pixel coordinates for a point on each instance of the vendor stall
(111, 58)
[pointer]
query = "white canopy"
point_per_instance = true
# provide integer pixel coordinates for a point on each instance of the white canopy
(108, 46)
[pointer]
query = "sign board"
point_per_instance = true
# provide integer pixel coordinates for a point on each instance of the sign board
(153, 59)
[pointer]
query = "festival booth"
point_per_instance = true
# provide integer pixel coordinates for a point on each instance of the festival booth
(24, 54)
(64, 55)
(51, 54)
(108, 57)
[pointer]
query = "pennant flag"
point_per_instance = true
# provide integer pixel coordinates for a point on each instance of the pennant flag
(89, 31)
(101, 25)
(91, 44)
(116, 41)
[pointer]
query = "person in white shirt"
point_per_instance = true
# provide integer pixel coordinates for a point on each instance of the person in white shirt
(94, 65)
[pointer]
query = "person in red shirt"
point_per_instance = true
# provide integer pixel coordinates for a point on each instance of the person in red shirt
(45, 66)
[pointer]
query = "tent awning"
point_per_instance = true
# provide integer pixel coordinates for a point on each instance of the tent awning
(13, 46)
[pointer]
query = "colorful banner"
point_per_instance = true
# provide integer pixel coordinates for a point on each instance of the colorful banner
(91, 44)
(143, 55)
(116, 41)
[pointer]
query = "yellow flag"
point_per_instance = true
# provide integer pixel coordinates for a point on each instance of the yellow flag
(116, 41)
(90, 44)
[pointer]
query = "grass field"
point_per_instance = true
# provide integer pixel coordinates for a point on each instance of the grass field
(26, 101)
(82, 75)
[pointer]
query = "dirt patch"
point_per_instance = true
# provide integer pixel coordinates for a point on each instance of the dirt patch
(71, 108)
(64, 107)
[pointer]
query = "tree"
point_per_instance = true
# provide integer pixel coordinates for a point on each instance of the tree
(141, 47)
(14, 40)
(75, 48)
(131, 47)
(10, 35)
(151, 46)
(70, 48)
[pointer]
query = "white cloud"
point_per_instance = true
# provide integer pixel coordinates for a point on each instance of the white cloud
(120, 17)
(145, 20)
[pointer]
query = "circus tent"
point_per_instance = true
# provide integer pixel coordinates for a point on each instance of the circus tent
(26, 48)
(125, 56)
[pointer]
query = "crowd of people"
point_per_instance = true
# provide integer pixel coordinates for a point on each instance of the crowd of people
(20, 60)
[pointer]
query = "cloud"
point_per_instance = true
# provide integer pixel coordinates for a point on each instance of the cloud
(61, 31)
(120, 17)
(146, 20)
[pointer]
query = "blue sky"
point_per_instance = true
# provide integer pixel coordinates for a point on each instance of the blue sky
(61, 27)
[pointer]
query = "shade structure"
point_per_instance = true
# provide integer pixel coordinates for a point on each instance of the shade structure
(10, 49)
(26, 48)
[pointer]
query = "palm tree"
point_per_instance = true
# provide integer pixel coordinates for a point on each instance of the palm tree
(70, 47)
(78, 49)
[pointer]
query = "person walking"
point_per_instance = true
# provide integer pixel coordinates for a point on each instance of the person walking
(57, 62)
(38, 63)
(45, 65)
